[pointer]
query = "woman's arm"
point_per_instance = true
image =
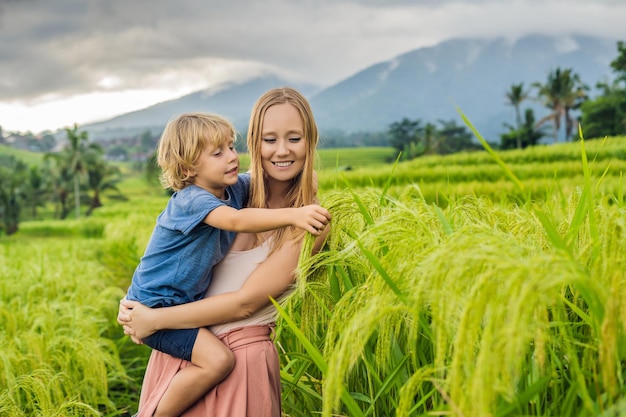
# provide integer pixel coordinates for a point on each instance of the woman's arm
(270, 279)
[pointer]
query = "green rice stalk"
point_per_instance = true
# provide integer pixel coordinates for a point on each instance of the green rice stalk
(491, 152)
(317, 358)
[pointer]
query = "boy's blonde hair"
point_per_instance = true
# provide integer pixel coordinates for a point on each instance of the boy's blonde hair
(302, 190)
(182, 142)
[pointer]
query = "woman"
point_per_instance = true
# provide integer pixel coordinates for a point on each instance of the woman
(282, 138)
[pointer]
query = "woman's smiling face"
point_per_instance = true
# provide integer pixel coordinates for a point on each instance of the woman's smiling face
(283, 146)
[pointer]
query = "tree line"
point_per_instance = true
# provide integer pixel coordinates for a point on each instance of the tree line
(81, 172)
(76, 176)
(562, 94)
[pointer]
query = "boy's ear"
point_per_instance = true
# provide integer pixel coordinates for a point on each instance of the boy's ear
(190, 173)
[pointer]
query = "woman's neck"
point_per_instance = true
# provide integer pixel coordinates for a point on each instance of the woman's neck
(277, 193)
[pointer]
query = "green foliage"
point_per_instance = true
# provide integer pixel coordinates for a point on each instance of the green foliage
(57, 351)
(12, 191)
(89, 228)
(346, 159)
(38, 189)
(562, 93)
(80, 166)
(515, 96)
(411, 306)
(335, 138)
(606, 114)
(410, 139)
(54, 179)
(525, 135)
(542, 168)
(435, 269)
(452, 138)
(61, 349)
(152, 169)
(404, 133)
(102, 177)
(30, 158)
(619, 63)
(342, 159)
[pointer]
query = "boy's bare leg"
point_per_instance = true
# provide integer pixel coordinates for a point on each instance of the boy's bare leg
(212, 361)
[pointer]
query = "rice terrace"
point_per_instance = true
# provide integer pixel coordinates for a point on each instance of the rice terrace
(476, 284)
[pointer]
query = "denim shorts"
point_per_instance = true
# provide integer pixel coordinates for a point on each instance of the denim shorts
(178, 343)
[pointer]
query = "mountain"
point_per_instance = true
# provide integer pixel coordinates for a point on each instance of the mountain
(426, 83)
(233, 100)
(473, 74)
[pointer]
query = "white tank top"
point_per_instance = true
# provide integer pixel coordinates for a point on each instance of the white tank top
(230, 274)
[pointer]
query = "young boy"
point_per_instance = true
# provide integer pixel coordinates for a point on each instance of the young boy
(198, 161)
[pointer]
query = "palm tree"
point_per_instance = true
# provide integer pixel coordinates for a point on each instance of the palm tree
(404, 136)
(516, 95)
(74, 160)
(619, 63)
(606, 114)
(102, 177)
(529, 133)
(152, 169)
(453, 138)
(574, 95)
(430, 139)
(61, 184)
(562, 92)
(12, 174)
(550, 94)
(38, 189)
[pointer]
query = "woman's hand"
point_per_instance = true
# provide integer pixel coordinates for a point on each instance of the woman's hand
(123, 318)
(137, 320)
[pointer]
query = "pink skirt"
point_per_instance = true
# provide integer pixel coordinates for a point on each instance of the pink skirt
(251, 390)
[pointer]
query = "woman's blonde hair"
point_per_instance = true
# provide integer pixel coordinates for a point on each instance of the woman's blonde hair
(182, 142)
(302, 191)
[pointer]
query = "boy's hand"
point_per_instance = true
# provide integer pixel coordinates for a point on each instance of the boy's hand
(312, 218)
(136, 319)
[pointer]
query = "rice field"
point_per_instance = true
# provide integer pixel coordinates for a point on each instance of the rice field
(28, 157)
(344, 159)
(466, 285)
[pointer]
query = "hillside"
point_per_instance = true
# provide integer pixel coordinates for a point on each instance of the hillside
(233, 100)
(425, 83)
(474, 74)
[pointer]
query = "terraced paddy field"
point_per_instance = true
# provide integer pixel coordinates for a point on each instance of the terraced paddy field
(467, 285)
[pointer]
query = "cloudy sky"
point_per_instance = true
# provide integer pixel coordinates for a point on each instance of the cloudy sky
(76, 61)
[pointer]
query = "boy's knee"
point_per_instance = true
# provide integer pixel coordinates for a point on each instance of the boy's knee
(218, 360)
(225, 360)
(214, 357)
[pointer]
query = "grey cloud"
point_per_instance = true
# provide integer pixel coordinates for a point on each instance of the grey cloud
(68, 46)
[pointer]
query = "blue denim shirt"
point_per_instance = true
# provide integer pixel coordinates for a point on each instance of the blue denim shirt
(178, 263)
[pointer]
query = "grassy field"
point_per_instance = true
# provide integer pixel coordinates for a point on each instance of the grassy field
(342, 159)
(464, 285)
(31, 158)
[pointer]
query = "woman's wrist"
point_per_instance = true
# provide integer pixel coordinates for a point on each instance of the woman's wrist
(160, 320)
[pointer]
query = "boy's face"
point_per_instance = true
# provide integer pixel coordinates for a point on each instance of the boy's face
(218, 167)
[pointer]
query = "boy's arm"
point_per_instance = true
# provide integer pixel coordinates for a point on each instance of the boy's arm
(312, 218)
(270, 279)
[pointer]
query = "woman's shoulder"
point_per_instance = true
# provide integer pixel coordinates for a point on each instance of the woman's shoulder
(248, 241)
